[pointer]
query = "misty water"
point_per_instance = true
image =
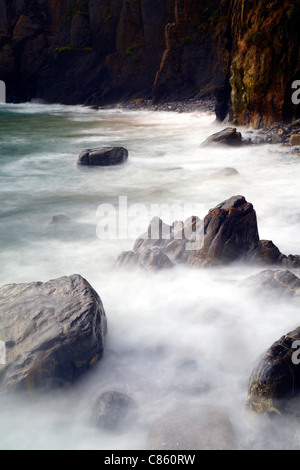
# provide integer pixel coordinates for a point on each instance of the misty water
(178, 338)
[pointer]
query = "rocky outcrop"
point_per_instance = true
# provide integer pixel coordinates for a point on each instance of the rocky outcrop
(103, 156)
(228, 233)
(53, 332)
(244, 54)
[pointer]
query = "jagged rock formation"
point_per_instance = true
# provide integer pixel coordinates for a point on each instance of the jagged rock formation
(228, 233)
(246, 54)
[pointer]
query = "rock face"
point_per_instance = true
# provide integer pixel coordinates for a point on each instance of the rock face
(276, 379)
(261, 58)
(228, 233)
(204, 429)
(97, 51)
(53, 332)
(103, 156)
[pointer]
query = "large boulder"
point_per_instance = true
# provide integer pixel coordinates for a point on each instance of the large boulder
(103, 156)
(53, 332)
(276, 378)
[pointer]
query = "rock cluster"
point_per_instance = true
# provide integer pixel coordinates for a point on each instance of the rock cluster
(228, 233)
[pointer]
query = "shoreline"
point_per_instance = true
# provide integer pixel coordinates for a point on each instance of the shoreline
(279, 133)
(189, 106)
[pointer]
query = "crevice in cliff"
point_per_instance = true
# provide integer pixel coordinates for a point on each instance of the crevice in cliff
(223, 94)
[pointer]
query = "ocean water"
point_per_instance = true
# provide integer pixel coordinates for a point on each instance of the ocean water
(175, 339)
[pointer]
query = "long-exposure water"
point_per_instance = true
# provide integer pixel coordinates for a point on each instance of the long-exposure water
(159, 323)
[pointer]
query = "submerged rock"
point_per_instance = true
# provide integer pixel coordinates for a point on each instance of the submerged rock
(225, 172)
(103, 156)
(53, 332)
(114, 410)
(278, 281)
(195, 429)
(59, 219)
(276, 378)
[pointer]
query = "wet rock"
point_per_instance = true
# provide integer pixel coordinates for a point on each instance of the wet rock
(54, 332)
(114, 411)
(295, 139)
(276, 378)
(193, 429)
(103, 156)
(228, 136)
(268, 253)
(278, 281)
(230, 230)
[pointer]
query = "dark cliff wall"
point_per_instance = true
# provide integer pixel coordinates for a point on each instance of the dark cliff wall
(265, 60)
(246, 53)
